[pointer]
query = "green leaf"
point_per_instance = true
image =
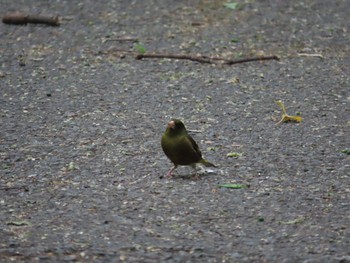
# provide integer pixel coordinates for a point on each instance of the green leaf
(231, 5)
(293, 222)
(17, 223)
(346, 151)
(234, 40)
(140, 48)
(211, 149)
(233, 186)
(71, 166)
(234, 155)
(261, 219)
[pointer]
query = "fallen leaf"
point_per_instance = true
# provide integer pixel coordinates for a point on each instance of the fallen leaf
(231, 5)
(285, 116)
(140, 48)
(261, 219)
(346, 151)
(293, 222)
(71, 166)
(17, 223)
(234, 155)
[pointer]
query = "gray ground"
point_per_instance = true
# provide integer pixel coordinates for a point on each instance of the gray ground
(80, 156)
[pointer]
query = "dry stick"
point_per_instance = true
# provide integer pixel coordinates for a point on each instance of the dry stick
(23, 19)
(203, 59)
(231, 62)
(175, 56)
(8, 188)
(121, 39)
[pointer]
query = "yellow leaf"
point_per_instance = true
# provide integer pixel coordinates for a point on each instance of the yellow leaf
(292, 118)
(281, 104)
(234, 154)
(285, 116)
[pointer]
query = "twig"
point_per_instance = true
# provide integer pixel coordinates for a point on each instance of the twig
(121, 39)
(204, 59)
(23, 19)
(231, 62)
(200, 59)
(20, 187)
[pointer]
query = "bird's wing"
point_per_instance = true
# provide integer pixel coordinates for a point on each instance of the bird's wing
(194, 146)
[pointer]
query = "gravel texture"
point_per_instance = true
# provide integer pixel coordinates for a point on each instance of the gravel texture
(81, 121)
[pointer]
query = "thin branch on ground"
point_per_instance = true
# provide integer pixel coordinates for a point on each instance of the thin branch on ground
(20, 187)
(121, 39)
(196, 58)
(23, 19)
(205, 59)
(244, 60)
(200, 59)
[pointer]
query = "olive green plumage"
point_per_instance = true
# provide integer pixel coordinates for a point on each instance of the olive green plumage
(180, 147)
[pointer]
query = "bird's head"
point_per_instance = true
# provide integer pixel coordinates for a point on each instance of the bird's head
(176, 126)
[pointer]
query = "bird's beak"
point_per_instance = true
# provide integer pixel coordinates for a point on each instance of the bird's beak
(171, 125)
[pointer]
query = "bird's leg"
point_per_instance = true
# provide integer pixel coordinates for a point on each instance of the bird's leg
(170, 173)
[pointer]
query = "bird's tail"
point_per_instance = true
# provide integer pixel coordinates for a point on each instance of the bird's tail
(206, 163)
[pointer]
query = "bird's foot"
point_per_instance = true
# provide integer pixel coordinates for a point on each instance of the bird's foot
(170, 173)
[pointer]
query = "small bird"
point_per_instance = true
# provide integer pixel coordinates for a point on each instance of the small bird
(180, 147)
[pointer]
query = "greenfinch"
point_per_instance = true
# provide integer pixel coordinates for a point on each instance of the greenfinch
(180, 147)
